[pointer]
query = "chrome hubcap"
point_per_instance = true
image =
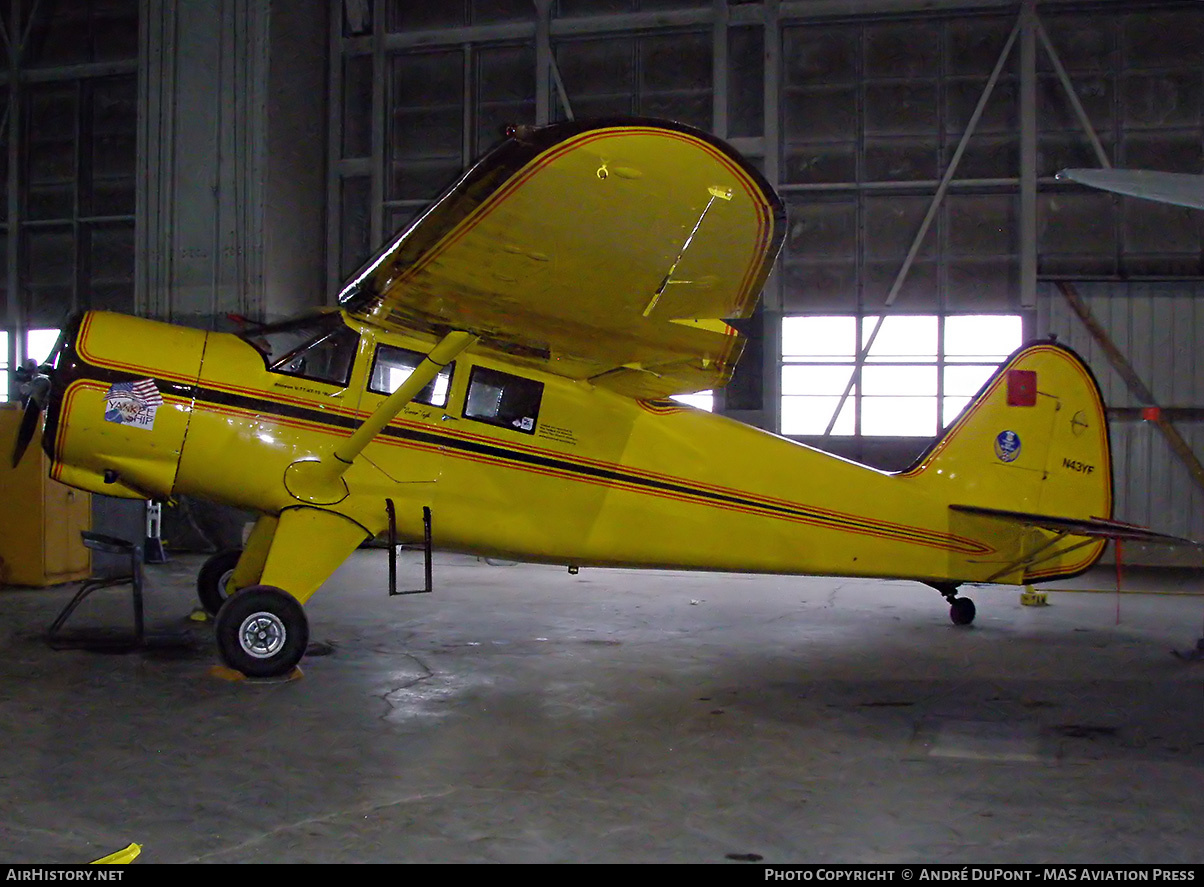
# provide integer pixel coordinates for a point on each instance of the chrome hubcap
(262, 635)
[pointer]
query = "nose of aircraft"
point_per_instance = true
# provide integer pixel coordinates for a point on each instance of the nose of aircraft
(120, 394)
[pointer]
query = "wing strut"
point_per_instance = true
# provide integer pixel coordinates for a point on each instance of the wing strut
(320, 481)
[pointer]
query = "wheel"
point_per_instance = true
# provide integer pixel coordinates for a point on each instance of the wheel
(961, 610)
(261, 631)
(213, 578)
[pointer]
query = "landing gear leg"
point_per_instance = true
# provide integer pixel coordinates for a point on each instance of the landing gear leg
(262, 629)
(961, 609)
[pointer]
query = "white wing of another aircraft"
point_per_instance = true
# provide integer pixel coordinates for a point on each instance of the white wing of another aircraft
(1180, 189)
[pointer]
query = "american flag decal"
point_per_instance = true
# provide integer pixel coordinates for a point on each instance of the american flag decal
(133, 403)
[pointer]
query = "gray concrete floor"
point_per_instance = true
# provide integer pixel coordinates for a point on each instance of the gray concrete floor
(521, 714)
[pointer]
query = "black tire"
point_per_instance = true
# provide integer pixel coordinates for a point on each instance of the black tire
(211, 580)
(962, 611)
(262, 631)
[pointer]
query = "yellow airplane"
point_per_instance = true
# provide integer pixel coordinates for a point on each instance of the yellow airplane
(495, 381)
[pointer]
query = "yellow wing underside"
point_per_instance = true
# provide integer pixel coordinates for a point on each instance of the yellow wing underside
(603, 252)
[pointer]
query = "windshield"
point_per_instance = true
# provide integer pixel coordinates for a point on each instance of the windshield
(321, 348)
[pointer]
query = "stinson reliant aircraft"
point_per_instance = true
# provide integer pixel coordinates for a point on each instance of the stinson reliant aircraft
(496, 381)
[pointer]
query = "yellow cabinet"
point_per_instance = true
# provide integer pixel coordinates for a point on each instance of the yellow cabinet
(40, 519)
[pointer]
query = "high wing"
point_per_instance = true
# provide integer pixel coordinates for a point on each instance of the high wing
(1095, 527)
(1180, 189)
(608, 251)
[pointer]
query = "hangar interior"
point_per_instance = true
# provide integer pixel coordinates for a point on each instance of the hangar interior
(189, 161)
(197, 161)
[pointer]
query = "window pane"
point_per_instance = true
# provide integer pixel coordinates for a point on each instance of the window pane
(811, 415)
(394, 365)
(953, 408)
(898, 416)
(982, 336)
(321, 348)
(327, 360)
(806, 337)
(966, 380)
(817, 379)
(906, 337)
(898, 381)
(504, 400)
(38, 344)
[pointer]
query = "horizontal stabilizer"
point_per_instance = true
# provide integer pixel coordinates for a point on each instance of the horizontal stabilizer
(1094, 527)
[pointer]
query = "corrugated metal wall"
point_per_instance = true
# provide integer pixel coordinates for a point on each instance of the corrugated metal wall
(1158, 326)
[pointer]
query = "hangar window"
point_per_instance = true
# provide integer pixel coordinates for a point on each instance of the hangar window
(700, 400)
(503, 400)
(910, 380)
(393, 366)
(40, 343)
(320, 348)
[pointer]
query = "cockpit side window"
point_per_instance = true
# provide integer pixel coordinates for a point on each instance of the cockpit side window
(393, 366)
(320, 348)
(503, 400)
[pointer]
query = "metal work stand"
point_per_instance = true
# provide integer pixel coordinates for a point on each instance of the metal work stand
(97, 640)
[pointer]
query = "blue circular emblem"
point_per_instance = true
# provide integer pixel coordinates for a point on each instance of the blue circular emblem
(1007, 446)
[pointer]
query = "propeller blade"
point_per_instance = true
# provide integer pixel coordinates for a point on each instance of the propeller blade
(39, 390)
(29, 424)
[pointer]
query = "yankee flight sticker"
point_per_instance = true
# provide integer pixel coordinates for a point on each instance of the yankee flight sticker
(1007, 446)
(133, 403)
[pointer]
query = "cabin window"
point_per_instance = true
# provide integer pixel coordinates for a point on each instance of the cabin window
(394, 365)
(320, 348)
(503, 400)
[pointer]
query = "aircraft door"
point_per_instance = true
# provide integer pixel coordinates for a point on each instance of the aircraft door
(408, 449)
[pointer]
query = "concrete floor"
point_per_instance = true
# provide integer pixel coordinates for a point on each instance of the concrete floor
(521, 714)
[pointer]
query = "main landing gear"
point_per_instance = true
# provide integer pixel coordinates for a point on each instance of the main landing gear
(961, 609)
(261, 631)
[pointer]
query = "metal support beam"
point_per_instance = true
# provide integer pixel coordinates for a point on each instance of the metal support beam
(13, 313)
(543, 61)
(379, 113)
(771, 299)
(719, 66)
(468, 126)
(335, 114)
(1073, 97)
(1028, 154)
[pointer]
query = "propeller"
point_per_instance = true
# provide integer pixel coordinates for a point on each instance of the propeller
(35, 385)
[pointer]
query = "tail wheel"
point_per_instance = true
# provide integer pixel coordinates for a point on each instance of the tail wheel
(962, 610)
(212, 582)
(262, 631)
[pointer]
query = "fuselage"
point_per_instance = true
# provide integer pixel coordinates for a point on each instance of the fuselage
(512, 461)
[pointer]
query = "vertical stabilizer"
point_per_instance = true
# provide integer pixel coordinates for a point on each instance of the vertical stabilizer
(1035, 441)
